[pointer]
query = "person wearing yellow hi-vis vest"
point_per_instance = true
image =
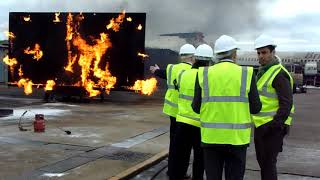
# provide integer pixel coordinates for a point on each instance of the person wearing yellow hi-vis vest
(225, 96)
(188, 122)
(170, 106)
(275, 85)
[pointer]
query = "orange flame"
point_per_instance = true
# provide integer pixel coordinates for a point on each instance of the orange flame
(10, 62)
(89, 57)
(36, 52)
(27, 84)
(129, 19)
(27, 18)
(143, 55)
(139, 27)
(71, 60)
(92, 55)
(56, 18)
(146, 87)
(69, 27)
(20, 71)
(49, 86)
(115, 23)
(10, 35)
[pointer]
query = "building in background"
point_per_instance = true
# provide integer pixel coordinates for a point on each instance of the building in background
(3, 66)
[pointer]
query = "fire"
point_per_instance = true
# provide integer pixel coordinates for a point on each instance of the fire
(49, 85)
(89, 58)
(143, 55)
(10, 35)
(115, 23)
(129, 19)
(27, 84)
(36, 52)
(139, 27)
(27, 18)
(10, 62)
(20, 71)
(56, 19)
(70, 64)
(146, 87)
(69, 27)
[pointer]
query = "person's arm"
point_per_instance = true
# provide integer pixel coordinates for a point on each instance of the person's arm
(161, 73)
(196, 102)
(254, 99)
(158, 72)
(282, 85)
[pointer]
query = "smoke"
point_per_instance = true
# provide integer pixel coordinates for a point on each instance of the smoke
(211, 17)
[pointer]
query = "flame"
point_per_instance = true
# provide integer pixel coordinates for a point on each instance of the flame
(71, 59)
(27, 18)
(10, 62)
(36, 52)
(143, 55)
(69, 27)
(90, 85)
(27, 84)
(91, 55)
(20, 71)
(146, 87)
(56, 19)
(88, 56)
(10, 35)
(129, 19)
(49, 85)
(115, 23)
(139, 27)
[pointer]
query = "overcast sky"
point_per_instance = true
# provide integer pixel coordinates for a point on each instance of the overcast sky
(293, 23)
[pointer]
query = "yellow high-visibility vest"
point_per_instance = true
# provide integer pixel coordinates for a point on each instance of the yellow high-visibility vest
(269, 98)
(186, 81)
(225, 114)
(170, 106)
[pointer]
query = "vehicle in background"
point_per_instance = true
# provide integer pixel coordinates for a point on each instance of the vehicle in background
(296, 71)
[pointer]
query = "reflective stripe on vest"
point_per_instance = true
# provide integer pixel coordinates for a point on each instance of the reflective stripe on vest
(226, 125)
(241, 98)
(169, 76)
(264, 91)
(170, 103)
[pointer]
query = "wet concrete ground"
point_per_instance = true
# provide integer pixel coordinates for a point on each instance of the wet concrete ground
(108, 138)
(300, 159)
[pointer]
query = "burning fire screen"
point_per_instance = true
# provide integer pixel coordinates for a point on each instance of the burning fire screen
(91, 50)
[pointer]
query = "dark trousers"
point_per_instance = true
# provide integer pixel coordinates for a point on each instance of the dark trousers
(268, 143)
(187, 137)
(171, 143)
(231, 158)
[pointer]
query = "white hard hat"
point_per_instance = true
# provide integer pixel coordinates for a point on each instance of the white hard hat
(263, 41)
(204, 52)
(187, 49)
(224, 43)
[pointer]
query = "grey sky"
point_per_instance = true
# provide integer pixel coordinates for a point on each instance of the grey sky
(292, 24)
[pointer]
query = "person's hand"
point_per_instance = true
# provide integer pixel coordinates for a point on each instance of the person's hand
(154, 68)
